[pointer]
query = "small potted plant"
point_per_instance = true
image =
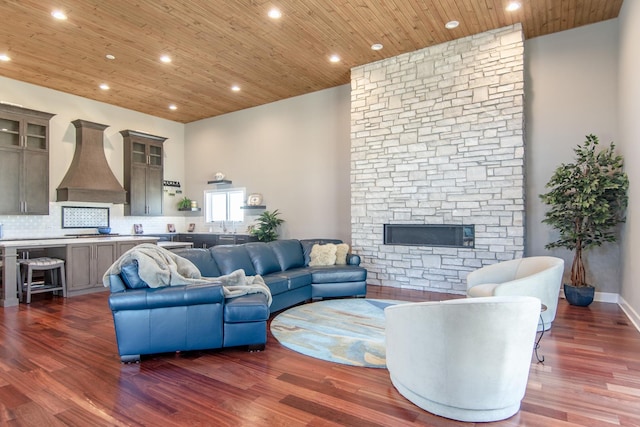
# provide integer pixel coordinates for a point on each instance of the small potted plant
(184, 203)
(267, 224)
(588, 199)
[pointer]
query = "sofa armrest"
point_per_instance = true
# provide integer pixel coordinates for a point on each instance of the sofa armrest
(353, 259)
(169, 296)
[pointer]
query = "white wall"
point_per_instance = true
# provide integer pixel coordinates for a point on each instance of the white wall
(62, 145)
(570, 91)
(629, 131)
(294, 152)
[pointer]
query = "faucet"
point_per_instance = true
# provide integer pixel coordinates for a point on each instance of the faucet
(224, 226)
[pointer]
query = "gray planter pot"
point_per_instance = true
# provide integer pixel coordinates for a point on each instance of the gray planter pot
(581, 296)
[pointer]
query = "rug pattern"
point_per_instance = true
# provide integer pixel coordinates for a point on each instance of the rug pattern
(346, 331)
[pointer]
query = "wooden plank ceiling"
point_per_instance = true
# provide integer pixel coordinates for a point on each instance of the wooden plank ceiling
(215, 44)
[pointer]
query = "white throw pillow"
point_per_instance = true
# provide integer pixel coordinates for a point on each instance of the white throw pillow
(323, 255)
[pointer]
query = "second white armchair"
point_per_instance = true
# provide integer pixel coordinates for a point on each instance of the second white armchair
(538, 276)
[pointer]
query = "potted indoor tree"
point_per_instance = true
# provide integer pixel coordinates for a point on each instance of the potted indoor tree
(587, 199)
(267, 224)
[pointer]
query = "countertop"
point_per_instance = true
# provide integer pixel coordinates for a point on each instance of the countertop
(175, 245)
(66, 240)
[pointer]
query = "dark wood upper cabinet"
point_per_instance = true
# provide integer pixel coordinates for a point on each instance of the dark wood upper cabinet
(143, 173)
(24, 161)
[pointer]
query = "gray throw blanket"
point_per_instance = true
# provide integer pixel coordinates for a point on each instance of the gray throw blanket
(160, 267)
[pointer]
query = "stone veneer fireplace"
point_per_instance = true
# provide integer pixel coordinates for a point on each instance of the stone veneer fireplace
(437, 138)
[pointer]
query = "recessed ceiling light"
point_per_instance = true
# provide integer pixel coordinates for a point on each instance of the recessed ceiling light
(165, 58)
(104, 86)
(334, 58)
(235, 88)
(109, 56)
(4, 57)
(513, 6)
(172, 107)
(376, 46)
(274, 13)
(58, 14)
(451, 25)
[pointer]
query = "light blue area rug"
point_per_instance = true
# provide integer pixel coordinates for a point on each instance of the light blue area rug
(347, 331)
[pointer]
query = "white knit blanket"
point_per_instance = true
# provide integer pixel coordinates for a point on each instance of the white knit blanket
(160, 267)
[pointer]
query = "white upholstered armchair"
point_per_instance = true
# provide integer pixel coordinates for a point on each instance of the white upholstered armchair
(538, 276)
(465, 359)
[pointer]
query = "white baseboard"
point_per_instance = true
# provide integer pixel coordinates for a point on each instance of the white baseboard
(630, 312)
(606, 297)
(600, 297)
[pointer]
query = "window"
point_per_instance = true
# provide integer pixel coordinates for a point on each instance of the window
(224, 205)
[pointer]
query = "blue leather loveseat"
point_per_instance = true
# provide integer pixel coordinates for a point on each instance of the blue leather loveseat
(284, 266)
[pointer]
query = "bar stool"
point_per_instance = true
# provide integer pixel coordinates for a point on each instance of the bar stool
(28, 266)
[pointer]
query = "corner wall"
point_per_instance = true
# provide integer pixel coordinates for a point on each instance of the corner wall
(571, 89)
(437, 138)
(629, 125)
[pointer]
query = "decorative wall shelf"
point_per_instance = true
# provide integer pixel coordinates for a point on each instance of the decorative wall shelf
(221, 181)
(253, 207)
(189, 209)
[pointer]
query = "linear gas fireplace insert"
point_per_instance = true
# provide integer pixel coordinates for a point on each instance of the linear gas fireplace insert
(454, 236)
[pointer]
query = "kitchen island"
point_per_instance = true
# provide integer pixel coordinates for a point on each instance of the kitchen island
(86, 260)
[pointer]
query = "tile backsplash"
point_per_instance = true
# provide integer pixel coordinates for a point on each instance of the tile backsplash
(26, 226)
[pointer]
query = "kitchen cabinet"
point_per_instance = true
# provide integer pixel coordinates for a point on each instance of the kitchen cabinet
(124, 246)
(24, 161)
(143, 173)
(199, 240)
(86, 264)
(206, 240)
(244, 238)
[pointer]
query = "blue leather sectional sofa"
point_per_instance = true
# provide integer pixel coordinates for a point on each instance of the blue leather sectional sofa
(181, 318)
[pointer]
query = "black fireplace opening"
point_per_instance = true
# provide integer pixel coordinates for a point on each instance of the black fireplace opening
(452, 236)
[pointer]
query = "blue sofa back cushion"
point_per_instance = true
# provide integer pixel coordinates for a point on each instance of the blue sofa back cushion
(130, 277)
(307, 245)
(202, 259)
(263, 258)
(231, 258)
(288, 252)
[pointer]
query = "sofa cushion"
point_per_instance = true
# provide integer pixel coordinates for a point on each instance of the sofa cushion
(202, 259)
(246, 308)
(277, 283)
(263, 258)
(337, 273)
(307, 245)
(288, 252)
(130, 277)
(231, 258)
(322, 255)
(297, 277)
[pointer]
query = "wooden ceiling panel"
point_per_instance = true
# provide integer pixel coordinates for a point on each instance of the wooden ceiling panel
(215, 44)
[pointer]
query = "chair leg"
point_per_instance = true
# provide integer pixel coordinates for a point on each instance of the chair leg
(21, 278)
(63, 281)
(29, 280)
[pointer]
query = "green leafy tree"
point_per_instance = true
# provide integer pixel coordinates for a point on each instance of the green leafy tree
(267, 226)
(587, 199)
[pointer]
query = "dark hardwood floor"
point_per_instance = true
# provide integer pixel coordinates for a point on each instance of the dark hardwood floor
(59, 366)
